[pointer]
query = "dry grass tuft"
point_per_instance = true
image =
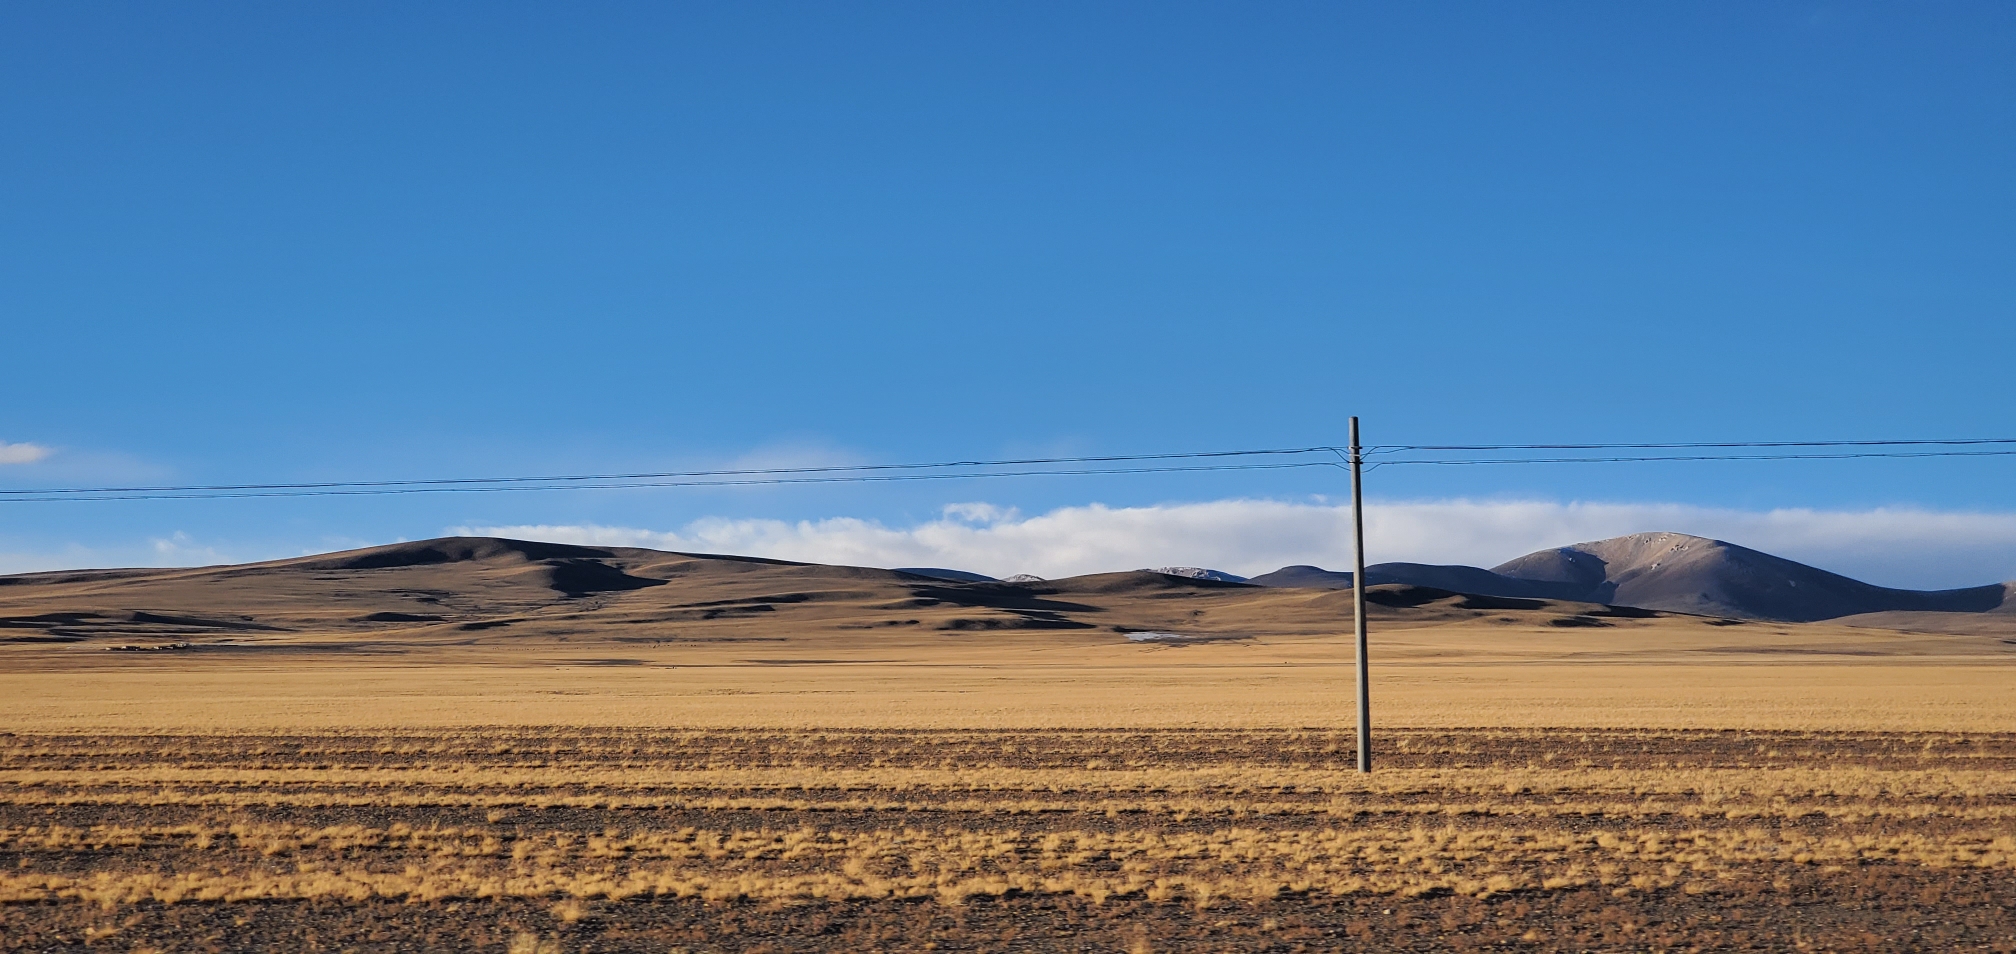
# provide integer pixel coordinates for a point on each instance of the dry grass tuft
(534, 944)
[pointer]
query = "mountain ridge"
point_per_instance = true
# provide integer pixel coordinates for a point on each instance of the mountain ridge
(1671, 572)
(560, 598)
(1660, 572)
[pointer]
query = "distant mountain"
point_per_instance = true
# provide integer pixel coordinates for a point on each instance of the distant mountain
(518, 597)
(1673, 572)
(1022, 578)
(514, 594)
(1198, 573)
(939, 573)
(1686, 574)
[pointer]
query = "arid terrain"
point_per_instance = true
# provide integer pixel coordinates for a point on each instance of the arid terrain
(481, 745)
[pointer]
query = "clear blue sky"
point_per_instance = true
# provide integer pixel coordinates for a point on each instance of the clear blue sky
(311, 241)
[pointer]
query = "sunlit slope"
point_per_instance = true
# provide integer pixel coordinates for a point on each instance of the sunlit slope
(484, 591)
(1681, 573)
(1678, 573)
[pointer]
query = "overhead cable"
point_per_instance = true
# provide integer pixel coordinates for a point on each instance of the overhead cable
(1695, 457)
(1387, 454)
(1679, 445)
(730, 482)
(664, 475)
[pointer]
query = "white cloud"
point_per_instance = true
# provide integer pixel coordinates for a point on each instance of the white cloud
(980, 512)
(180, 549)
(22, 453)
(1890, 546)
(175, 550)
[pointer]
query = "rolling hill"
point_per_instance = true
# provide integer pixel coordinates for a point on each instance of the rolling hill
(520, 595)
(467, 591)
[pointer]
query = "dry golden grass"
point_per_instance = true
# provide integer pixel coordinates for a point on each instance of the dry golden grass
(1653, 674)
(1197, 817)
(1234, 863)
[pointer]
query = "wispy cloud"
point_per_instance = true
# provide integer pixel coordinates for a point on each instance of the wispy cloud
(22, 453)
(1897, 547)
(175, 549)
(1891, 546)
(180, 549)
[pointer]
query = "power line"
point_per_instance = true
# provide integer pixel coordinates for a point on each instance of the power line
(1639, 459)
(666, 475)
(735, 482)
(975, 469)
(1391, 448)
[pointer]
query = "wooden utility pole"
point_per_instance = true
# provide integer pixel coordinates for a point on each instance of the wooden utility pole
(1358, 602)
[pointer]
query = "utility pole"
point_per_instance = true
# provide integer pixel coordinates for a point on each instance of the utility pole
(1358, 602)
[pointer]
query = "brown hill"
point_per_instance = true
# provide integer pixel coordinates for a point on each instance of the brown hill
(483, 591)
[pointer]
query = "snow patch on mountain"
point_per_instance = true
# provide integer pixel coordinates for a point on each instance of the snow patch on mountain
(1198, 573)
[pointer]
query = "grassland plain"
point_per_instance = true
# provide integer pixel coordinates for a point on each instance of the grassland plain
(1654, 673)
(1097, 839)
(644, 770)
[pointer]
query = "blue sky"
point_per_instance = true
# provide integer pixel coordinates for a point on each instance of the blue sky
(260, 242)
